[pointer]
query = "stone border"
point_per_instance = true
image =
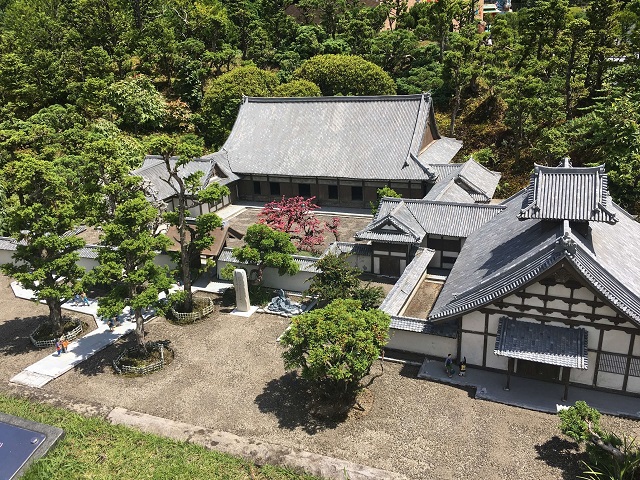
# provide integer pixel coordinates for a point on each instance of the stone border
(70, 336)
(191, 317)
(141, 370)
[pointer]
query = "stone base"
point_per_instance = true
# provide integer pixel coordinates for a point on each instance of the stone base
(247, 314)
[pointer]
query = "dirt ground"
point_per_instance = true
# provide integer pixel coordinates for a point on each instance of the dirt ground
(348, 226)
(228, 375)
(423, 300)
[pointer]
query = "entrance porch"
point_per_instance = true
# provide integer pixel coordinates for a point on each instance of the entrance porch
(529, 393)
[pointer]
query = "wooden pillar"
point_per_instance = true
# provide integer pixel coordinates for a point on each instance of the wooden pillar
(509, 372)
(566, 373)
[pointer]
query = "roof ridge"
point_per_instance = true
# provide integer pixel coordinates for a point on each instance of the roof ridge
(548, 250)
(337, 99)
(454, 204)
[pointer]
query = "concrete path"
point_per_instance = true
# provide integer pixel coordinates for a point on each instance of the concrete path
(52, 366)
(531, 394)
(250, 449)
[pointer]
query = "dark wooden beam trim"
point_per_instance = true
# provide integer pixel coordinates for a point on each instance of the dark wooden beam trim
(597, 366)
(548, 318)
(628, 367)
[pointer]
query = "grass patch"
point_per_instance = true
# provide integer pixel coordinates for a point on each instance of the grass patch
(95, 449)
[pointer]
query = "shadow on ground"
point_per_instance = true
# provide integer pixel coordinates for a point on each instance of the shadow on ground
(564, 455)
(15, 334)
(102, 361)
(289, 399)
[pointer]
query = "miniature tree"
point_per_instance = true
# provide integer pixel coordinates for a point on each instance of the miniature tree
(582, 423)
(266, 247)
(189, 193)
(337, 279)
(294, 215)
(40, 215)
(385, 191)
(335, 347)
(126, 264)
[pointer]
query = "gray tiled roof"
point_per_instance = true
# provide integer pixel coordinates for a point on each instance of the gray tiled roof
(479, 180)
(438, 218)
(448, 191)
(419, 325)
(306, 264)
(348, 248)
(212, 166)
(567, 193)
(407, 283)
(8, 244)
(397, 226)
(566, 347)
(88, 251)
(507, 253)
(345, 137)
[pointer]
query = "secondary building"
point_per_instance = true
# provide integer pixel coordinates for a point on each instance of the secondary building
(548, 288)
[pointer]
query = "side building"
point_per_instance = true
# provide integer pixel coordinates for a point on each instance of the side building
(549, 289)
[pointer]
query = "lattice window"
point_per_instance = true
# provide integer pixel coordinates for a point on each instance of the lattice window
(634, 369)
(613, 363)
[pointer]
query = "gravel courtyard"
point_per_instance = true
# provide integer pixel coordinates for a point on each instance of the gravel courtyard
(228, 375)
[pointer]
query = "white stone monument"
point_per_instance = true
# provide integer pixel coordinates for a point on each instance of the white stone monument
(243, 303)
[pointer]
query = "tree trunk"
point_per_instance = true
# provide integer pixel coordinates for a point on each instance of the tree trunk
(454, 111)
(55, 315)
(139, 329)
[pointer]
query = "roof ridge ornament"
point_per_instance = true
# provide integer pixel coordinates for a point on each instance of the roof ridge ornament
(566, 163)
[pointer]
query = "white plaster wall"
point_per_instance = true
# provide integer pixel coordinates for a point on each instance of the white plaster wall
(163, 259)
(5, 256)
(493, 360)
(584, 376)
(473, 321)
(270, 278)
(583, 293)
(88, 263)
(472, 348)
(513, 299)
(421, 343)
(633, 385)
(606, 310)
(636, 346)
(536, 288)
(610, 380)
(615, 341)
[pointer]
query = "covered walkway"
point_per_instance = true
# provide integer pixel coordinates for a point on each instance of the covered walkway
(531, 394)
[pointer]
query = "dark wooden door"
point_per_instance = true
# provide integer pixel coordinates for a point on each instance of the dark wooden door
(539, 371)
(390, 266)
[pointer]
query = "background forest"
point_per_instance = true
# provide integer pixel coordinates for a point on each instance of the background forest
(85, 84)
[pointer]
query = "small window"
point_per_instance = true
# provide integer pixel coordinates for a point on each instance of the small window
(356, 193)
(274, 188)
(333, 192)
(613, 363)
(257, 190)
(304, 190)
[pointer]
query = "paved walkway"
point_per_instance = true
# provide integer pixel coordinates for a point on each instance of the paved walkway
(52, 366)
(531, 394)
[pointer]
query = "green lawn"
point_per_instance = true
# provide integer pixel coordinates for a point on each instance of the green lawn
(95, 449)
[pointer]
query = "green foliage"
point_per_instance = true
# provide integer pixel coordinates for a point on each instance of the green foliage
(89, 438)
(41, 211)
(297, 88)
(575, 421)
(336, 279)
(385, 191)
(266, 247)
(370, 296)
(346, 75)
(127, 264)
(138, 104)
(335, 346)
(222, 100)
